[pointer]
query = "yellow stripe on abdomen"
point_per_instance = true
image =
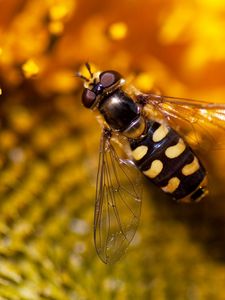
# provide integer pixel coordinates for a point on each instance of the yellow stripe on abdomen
(191, 168)
(155, 169)
(176, 150)
(160, 133)
(139, 152)
(172, 185)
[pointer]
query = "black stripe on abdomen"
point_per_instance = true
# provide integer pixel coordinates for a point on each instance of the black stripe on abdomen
(168, 161)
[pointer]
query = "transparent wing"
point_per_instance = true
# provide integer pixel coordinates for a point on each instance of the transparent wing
(200, 123)
(118, 202)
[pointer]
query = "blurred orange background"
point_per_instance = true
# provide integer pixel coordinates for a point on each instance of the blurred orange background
(49, 148)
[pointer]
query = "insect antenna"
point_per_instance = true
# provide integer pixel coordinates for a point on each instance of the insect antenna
(89, 69)
(78, 74)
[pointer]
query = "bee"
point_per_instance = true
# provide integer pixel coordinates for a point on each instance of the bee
(150, 134)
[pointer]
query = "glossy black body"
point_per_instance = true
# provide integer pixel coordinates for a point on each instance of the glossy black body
(119, 110)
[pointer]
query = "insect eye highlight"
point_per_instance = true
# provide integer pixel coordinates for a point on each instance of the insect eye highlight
(109, 78)
(88, 98)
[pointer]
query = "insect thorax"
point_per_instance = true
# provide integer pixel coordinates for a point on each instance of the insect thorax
(122, 114)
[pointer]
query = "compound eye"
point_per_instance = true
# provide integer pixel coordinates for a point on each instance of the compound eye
(109, 78)
(88, 98)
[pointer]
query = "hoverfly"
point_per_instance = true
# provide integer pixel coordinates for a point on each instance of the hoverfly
(157, 134)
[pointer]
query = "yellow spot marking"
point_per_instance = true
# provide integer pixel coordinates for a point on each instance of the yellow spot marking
(139, 152)
(191, 168)
(160, 133)
(176, 150)
(155, 169)
(172, 185)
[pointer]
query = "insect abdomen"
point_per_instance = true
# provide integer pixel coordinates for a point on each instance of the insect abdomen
(169, 162)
